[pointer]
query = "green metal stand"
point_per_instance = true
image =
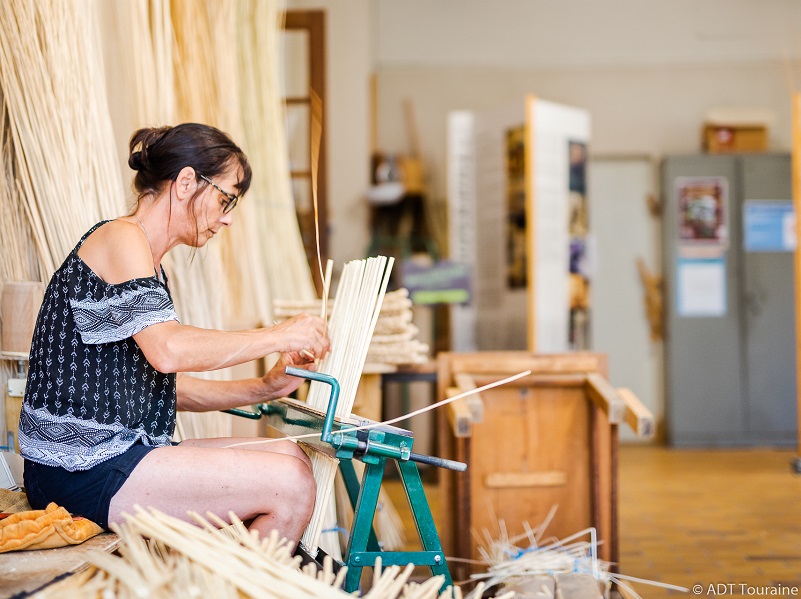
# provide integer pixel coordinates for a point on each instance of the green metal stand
(363, 549)
(373, 447)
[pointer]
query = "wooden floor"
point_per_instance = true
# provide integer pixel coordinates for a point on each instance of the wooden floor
(704, 518)
(710, 517)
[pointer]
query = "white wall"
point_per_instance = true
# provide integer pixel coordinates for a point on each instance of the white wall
(646, 71)
(564, 33)
(635, 110)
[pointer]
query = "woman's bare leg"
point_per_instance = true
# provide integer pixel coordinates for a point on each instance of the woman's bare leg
(273, 488)
(275, 446)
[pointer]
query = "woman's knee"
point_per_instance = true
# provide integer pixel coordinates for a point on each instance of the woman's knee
(293, 449)
(303, 489)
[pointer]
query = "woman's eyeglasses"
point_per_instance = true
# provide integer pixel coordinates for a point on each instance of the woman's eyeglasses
(230, 202)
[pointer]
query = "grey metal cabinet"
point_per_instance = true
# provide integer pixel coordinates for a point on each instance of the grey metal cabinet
(729, 321)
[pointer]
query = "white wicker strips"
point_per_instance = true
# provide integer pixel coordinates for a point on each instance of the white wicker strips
(359, 297)
(395, 339)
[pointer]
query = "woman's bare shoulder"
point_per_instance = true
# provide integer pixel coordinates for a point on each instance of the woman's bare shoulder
(118, 252)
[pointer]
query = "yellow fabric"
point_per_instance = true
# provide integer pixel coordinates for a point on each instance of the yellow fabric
(44, 529)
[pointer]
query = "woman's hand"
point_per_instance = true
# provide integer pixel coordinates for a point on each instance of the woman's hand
(281, 384)
(303, 333)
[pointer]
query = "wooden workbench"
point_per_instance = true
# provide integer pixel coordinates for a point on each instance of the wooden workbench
(23, 572)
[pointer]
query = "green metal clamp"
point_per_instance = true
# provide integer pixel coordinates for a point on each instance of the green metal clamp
(261, 410)
(328, 423)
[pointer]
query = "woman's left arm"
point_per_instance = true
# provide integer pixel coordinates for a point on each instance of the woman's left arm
(202, 395)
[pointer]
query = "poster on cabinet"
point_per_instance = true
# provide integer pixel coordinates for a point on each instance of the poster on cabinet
(702, 205)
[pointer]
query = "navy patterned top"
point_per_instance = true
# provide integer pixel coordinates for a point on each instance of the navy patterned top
(91, 393)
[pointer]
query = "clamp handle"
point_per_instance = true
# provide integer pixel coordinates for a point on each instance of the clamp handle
(328, 423)
(438, 462)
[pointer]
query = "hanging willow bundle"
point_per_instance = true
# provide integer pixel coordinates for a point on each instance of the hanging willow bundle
(16, 243)
(18, 253)
(51, 76)
(258, 33)
(145, 38)
(144, 35)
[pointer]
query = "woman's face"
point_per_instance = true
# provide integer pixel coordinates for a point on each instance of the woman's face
(210, 206)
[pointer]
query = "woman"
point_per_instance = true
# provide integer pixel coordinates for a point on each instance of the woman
(108, 360)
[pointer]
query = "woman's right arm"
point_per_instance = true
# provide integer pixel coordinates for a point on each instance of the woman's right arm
(174, 347)
(119, 251)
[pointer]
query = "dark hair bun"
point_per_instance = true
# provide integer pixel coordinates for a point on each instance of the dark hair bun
(135, 161)
(158, 154)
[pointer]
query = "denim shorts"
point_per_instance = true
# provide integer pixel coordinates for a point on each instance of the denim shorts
(84, 493)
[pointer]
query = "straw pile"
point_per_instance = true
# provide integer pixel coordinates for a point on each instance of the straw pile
(164, 557)
(215, 61)
(261, 99)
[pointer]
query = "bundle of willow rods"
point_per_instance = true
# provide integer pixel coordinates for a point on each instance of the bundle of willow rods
(395, 340)
(19, 261)
(59, 172)
(353, 317)
(192, 62)
(145, 36)
(18, 253)
(164, 557)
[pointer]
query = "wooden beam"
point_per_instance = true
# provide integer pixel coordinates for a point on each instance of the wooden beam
(535, 380)
(466, 383)
(796, 170)
(510, 362)
(506, 480)
(603, 395)
(638, 417)
(459, 414)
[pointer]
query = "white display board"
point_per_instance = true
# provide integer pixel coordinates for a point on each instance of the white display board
(462, 240)
(552, 128)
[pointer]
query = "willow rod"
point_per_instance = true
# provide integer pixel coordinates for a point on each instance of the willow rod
(365, 427)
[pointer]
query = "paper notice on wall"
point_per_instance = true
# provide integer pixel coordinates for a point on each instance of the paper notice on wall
(769, 226)
(701, 287)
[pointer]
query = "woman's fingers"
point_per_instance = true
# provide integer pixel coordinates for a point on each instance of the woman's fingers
(306, 334)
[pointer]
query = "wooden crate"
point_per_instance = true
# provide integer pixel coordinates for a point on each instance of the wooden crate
(547, 439)
(724, 139)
